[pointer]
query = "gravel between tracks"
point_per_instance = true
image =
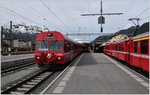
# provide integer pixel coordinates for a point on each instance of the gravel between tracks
(9, 79)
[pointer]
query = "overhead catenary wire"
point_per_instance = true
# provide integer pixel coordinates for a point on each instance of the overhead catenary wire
(70, 18)
(20, 15)
(64, 11)
(86, 9)
(145, 17)
(68, 12)
(23, 8)
(89, 10)
(54, 14)
(4, 12)
(136, 16)
(128, 9)
(35, 12)
(40, 15)
(142, 12)
(6, 24)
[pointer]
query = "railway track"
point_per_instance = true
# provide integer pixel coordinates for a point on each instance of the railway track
(25, 86)
(15, 67)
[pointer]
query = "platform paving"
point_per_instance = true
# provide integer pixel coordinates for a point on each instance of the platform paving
(16, 57)
(96, 74)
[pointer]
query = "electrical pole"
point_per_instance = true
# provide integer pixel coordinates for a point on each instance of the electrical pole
(101, 19)
(2, 30)
(11, 38)
(136, 25)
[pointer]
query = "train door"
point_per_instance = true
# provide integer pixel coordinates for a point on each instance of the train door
(71, 48)
(144, 55)
(124, 48)
(129, 44)
(135, 54)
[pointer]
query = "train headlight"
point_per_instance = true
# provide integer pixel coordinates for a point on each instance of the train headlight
(49, 34)
(59, 58)
(38, 57)
(48, 55)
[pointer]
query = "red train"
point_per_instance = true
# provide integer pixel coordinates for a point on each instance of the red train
(54, 49)
(134, 51)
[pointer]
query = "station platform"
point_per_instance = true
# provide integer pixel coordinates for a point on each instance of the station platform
(16, 57)
(97, 73)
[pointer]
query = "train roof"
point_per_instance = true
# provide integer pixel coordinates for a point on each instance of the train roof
(141, 35)
(65, 37)
(120, 40)
(116, 39)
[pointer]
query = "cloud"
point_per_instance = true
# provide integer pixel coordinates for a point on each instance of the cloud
(36, 12)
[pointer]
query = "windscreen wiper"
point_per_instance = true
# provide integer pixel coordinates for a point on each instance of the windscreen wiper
(44, 43)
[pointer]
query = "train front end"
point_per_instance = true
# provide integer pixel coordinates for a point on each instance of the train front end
(49, 49)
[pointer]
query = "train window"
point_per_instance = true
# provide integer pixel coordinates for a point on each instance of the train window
(144, 47)
(135, 47)
(42, 45)
(56, 45)
(65, 47)
(122, 48)
(118, 47)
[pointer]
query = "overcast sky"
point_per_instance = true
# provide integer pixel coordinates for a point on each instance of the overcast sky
(65, 15)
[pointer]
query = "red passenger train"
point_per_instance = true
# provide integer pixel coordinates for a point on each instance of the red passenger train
(54, 49)
(134, 51)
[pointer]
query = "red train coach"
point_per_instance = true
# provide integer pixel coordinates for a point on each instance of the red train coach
(134, 51)
(52, 48)
(139, 51)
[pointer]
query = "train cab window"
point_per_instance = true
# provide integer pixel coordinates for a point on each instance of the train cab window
(42, 45)
(144, 47)
(56, 45)
(135, 47)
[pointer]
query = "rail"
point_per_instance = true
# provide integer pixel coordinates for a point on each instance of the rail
(25, 86)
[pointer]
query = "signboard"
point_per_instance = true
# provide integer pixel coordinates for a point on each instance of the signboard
(101, 20)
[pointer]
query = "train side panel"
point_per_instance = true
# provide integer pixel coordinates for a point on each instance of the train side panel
(134, 51)
(144, 51)
(135, 54)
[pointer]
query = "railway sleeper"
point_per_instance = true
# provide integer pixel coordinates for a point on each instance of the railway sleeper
(12, 92)
(28, 84)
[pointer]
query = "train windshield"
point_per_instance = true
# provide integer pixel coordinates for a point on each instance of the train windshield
(42, 45)
(56, 45)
